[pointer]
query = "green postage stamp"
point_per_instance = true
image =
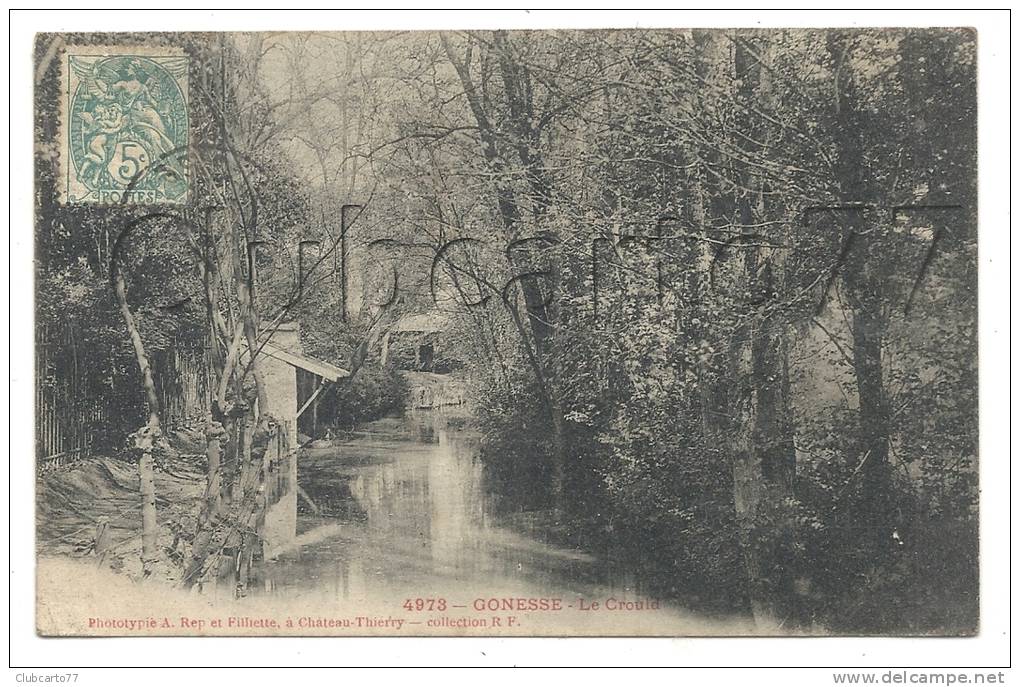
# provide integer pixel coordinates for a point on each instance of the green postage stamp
(124, 126)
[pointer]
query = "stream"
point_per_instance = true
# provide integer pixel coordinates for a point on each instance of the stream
(404, 513)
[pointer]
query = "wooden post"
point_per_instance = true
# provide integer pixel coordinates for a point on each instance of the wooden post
(102, 540)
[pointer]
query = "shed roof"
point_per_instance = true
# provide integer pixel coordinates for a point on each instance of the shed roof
(313, 365)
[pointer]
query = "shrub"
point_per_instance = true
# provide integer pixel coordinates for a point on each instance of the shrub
(372, 393)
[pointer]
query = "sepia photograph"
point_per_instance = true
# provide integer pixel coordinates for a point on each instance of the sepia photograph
(549, 332)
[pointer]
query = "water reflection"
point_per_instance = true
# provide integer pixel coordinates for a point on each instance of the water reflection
(405, 513)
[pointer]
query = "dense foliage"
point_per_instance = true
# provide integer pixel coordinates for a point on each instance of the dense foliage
(714, 292)
(747, 343)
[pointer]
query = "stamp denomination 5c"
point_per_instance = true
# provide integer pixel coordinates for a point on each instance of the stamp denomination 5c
(124, 126)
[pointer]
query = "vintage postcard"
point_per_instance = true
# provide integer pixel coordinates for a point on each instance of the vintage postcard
(634, 333)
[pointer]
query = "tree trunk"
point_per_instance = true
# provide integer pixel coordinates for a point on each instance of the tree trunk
(747, 410)
(756, 434)
(148, 437)
(537, 337)
(240, 518)
(147, 487)
(214, 434)
(864, 294)
(868, 326)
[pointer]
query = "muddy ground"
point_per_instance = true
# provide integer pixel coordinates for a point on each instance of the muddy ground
(74, 501)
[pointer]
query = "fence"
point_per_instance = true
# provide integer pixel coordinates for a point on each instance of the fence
(182, 382)
(84, 402)
(65, 417)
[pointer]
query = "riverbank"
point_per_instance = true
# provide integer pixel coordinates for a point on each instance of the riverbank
(95, 501)
(405, 512)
